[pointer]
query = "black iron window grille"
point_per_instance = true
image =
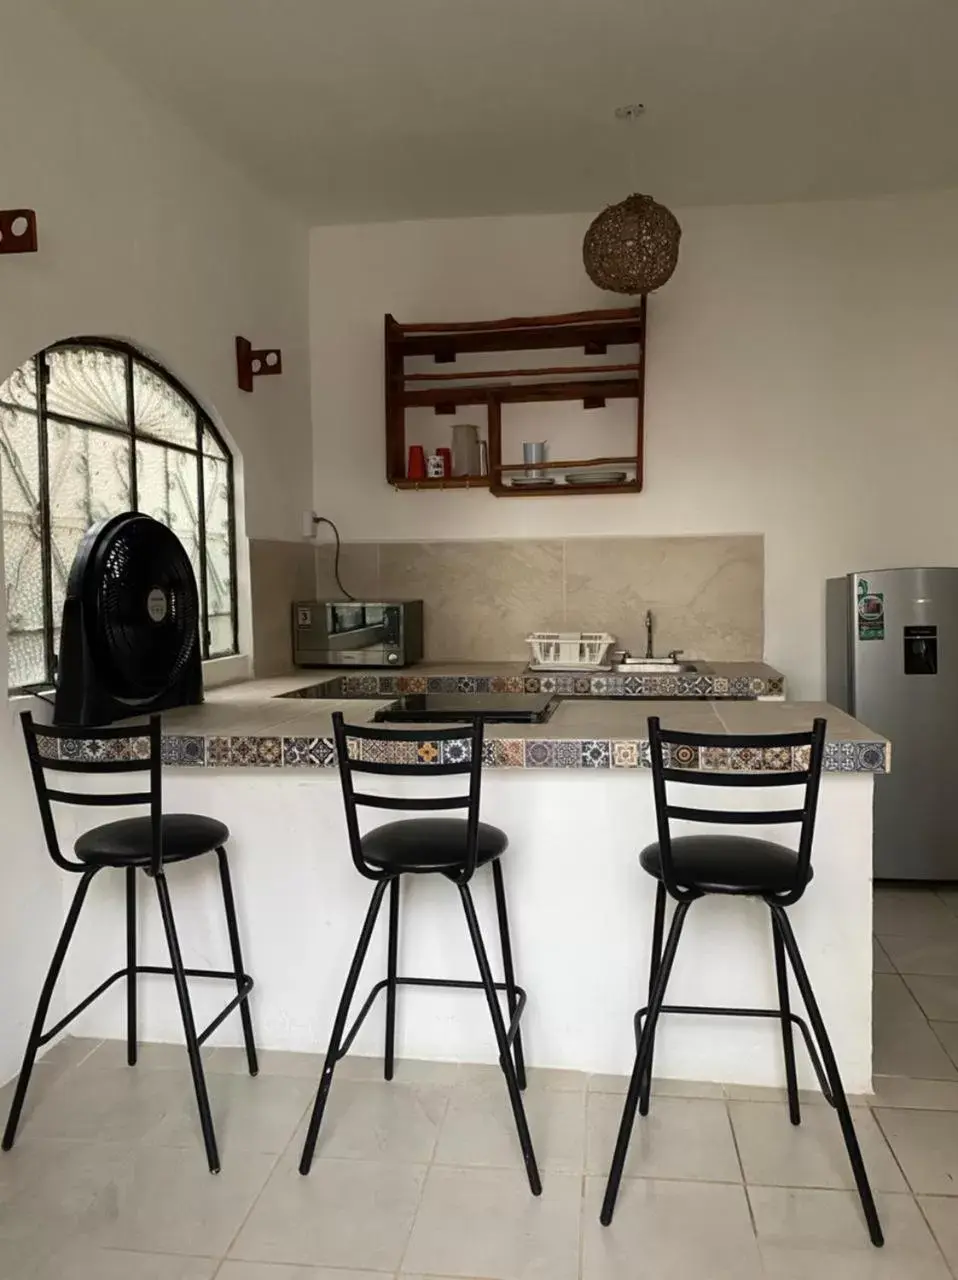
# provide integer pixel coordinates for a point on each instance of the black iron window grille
(88, 428)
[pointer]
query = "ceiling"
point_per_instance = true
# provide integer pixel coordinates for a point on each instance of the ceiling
(360, 110)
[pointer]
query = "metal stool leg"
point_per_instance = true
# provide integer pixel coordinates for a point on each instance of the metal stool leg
(237, 954)
(131, 1047)
(392, 954)
(658, 931)
(189, 1025)
(339, 1026)
(642, 1060)
(40, 1017)
(502, 1040)
(788, 1044)
(512, 998)
(831, 1070)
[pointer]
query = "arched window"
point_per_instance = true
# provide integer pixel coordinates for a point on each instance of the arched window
(90, 428)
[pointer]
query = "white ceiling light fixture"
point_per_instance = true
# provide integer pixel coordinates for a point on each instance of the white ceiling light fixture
(632, 247)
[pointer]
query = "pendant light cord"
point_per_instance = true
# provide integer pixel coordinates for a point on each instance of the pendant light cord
(317, 520)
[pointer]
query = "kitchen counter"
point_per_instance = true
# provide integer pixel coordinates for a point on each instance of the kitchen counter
(256, 724)
(576, 801)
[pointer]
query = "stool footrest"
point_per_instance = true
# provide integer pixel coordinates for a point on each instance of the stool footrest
(245, 985)
(461, 984)
(726, 1011)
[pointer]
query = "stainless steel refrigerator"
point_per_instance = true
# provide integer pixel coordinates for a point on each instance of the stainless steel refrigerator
(892, 662)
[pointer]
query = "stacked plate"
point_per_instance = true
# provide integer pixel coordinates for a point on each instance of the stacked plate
(585, 477)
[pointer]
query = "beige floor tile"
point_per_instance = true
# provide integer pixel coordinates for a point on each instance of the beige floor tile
(925, 1144)
(485, 1222)
(925, 1095)
(929, 957)
(942, 1215)
(249, 1114)
(557, 1080)
(904, 1044)
(779, 1154)
(479, 1129)
(69, 1052)
(169, 1202)
(111, 1056)
(407, 1070)
(43, 1080)
(880, 961)
(821, 1235)
(670, 1231)
(380, 1120)
(680, 1138)
(272, 1062)
(660, 1088)
(916, 913)
(280, 1271)
(82, 1261)
(346, 1213)
(807, 1097)
(49, 1190)
(937, 997)
(947, 1033)
(106, 1106)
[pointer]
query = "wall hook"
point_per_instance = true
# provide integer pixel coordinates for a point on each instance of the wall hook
(18, 231)
(255, 363)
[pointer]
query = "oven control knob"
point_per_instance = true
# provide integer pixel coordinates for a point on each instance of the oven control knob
(392, 657)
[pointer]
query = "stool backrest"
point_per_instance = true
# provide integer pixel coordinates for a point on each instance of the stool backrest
(84, 760)
(806, 773)
(373, 746)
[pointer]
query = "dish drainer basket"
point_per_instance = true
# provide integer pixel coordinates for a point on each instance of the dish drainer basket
(570, 650)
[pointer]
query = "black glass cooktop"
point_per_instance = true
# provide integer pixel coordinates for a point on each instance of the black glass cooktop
(494, 708)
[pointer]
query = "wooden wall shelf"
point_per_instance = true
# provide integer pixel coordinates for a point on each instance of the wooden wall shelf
(594, 332)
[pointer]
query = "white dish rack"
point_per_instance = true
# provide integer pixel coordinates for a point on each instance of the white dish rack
(570, 650)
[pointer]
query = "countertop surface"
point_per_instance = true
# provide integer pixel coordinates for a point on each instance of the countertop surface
(256, 724)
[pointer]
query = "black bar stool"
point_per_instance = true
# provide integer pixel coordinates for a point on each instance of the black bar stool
(146, 844)
(453, 847)
(688, 868)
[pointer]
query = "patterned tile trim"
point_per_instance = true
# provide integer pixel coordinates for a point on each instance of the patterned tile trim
(603, 685)
(250, 751)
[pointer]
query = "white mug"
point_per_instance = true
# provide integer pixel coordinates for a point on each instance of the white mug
(435, 467)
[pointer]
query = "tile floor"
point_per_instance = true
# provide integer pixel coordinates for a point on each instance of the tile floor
(421, 1178)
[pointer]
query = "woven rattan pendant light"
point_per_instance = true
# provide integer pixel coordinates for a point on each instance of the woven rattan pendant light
(632, 247)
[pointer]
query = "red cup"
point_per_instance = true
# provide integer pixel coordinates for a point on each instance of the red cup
(416, 467)
(446, 455)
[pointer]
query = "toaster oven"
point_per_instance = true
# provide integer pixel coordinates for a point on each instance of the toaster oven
(357, 633)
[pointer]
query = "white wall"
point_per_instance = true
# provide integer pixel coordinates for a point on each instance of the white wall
(145, 235)
(802, 383)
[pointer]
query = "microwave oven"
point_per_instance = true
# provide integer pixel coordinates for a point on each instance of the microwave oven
(357, 633)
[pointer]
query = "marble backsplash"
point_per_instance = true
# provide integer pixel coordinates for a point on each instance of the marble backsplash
(483, 598)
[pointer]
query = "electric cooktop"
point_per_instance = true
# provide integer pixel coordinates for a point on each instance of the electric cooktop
(494, 708)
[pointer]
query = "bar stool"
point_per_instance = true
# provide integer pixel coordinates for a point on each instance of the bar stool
(452, 847)
(688, 868)
(145, 844)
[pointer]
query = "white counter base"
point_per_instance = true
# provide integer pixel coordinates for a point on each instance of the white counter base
(581, 916)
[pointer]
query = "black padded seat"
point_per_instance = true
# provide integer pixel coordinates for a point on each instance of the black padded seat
(129, 842)
(727, 864)
(429, 844)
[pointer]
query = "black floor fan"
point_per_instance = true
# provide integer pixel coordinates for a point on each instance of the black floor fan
(130, 640)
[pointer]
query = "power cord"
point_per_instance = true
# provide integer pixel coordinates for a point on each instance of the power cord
(317, 520)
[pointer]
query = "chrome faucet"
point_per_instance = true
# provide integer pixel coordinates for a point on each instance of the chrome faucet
(648, 634)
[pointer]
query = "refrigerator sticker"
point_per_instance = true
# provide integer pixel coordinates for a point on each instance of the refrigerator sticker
(871, 612)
